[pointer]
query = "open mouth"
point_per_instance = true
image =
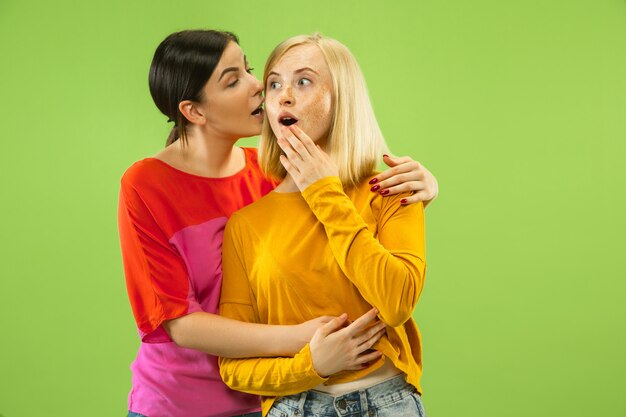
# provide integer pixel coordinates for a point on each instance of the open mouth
(288, 121)
(258, 111)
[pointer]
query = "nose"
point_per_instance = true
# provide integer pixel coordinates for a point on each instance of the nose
(286, 97)
(257, 86)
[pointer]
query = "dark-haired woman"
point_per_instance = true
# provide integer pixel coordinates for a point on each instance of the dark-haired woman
(172, 212)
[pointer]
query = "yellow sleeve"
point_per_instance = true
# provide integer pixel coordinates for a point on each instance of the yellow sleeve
(261, 376)
(388, 269)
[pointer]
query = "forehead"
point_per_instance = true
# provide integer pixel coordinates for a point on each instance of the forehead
(302, 56)
(231, 57)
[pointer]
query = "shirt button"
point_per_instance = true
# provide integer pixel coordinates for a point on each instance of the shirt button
(341, 404)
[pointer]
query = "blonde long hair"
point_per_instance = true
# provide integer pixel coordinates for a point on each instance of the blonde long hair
(355, 142)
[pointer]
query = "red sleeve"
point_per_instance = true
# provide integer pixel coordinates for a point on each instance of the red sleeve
(156, 275)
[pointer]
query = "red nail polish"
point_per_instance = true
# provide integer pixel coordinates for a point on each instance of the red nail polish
(373, 180)
(385, 155)
(403, 201)
(384, 192)
(375, 188)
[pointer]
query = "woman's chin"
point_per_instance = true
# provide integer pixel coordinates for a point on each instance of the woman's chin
(248, 134)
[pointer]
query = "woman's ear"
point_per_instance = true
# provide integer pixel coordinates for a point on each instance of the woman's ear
(191, 112)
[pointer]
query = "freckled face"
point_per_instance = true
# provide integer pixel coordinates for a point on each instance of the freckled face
(299, 90)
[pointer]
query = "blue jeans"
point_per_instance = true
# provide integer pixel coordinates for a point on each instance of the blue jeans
(391, 398)
(257, 414)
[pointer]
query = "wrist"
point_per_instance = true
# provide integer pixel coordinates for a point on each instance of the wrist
(306, 355)
(298, 337)
(316, 367)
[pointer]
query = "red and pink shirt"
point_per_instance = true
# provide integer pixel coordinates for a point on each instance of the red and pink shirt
(171, 225)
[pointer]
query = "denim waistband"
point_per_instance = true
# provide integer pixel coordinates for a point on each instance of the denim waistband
(374, 397)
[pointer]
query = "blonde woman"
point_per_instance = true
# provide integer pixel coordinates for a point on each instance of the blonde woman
(322, 243)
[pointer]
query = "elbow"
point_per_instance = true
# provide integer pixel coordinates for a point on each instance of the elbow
(175, 330)
(400, 305)
(225, 373)
(235, 377)
(396, 318)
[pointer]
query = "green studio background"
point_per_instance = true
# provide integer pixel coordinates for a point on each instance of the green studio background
(517, 107)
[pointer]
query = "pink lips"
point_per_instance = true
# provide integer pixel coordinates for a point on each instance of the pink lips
(259, 110)
(286, 116)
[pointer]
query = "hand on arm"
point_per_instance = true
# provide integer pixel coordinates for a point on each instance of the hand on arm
(333, 348)
(405, 175)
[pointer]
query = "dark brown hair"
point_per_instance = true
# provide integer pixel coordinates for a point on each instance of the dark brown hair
(181, 66)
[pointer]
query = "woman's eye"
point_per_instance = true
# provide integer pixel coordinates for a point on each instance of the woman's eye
(304, 81)
(274, 85)
(249, 70)
(234, 83)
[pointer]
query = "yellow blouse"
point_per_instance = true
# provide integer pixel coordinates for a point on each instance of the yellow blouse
(292, 257)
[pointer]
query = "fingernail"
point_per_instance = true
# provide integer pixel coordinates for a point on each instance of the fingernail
(384, 192)
(375, 188)
(403, 201)
(385, 155)
(373, 180)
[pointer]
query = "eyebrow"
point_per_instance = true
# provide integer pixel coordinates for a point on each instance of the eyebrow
(227, 70)
(296, 71)
(233, 69)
